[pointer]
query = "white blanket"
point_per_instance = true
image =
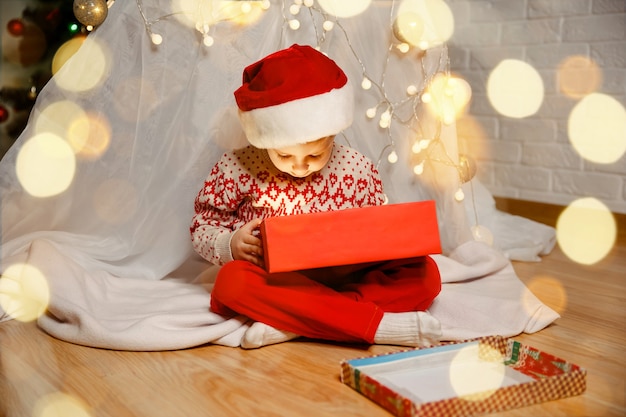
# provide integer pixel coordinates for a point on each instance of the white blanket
(481, 296)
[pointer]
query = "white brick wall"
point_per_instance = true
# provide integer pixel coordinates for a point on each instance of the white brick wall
(531, 158)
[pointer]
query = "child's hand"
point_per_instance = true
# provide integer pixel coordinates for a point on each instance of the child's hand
(244, 245)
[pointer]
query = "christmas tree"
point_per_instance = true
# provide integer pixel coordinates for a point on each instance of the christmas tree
(32, 33)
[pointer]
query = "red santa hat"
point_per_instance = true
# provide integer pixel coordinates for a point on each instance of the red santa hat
(293, 96)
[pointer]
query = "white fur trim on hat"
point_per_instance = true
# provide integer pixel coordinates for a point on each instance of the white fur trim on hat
(299, 121)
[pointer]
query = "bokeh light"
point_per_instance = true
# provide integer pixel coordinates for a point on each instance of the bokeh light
(344, 8)
(88, 72)
(597, 128)
(191, 12)
(408, 27)
(65, 52)
(59, 404)
(446, 97)
(45, 165)
(24, 292)
(586, 231)
(115, 201)
(551, 292)
(436, 18)
(202, 14)
(58, 117)
(89, 136)
(515, 89)
(578, 76)
(243, 13)
(477, 372)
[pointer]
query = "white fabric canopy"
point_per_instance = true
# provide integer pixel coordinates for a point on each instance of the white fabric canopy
(114, 247)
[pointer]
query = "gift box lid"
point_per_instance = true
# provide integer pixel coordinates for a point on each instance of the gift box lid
(465, 378)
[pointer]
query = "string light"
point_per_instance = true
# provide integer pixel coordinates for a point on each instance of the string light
(294, 9)
(459, 195)
(438, 92)
(205, 16)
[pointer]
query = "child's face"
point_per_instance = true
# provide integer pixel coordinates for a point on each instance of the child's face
(300, 161)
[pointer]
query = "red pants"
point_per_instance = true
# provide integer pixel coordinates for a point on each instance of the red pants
(346, 307)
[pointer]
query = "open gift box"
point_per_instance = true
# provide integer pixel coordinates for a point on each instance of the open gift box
(350, 236)
(463, 379)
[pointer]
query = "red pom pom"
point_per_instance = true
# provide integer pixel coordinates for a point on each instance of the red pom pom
(15, 27)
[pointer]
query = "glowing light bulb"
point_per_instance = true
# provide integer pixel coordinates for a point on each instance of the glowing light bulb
(411, 90)
(416, 148)
(419, 168)
(294, 24)
(423, 45)
(294, 9)
(424, 143)
(328, 26)
(366, 84)
(459, 195)
(207, 40)
(426, 98)
(385, 119)
(393, 157)
(371, 113)
(403, 47)
(308, 3)
(156, 38)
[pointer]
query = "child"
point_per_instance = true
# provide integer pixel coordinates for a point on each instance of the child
(291, 105)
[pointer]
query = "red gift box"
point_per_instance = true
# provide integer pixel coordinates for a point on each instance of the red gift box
(351, 236)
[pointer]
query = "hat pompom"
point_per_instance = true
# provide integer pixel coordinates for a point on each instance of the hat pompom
(294, 96)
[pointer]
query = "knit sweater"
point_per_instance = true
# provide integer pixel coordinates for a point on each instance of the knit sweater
(244, 185)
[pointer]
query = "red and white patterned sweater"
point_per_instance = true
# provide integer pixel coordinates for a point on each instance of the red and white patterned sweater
(244, 185)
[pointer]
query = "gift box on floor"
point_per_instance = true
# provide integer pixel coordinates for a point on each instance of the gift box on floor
(351, 236)
(463, 379)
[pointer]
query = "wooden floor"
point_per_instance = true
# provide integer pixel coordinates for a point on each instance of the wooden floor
(301, 378)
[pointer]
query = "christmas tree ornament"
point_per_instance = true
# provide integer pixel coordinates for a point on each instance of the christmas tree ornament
(26, 49)
(15, 27)
(467, 168)
(90, 12)
(4, 114)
